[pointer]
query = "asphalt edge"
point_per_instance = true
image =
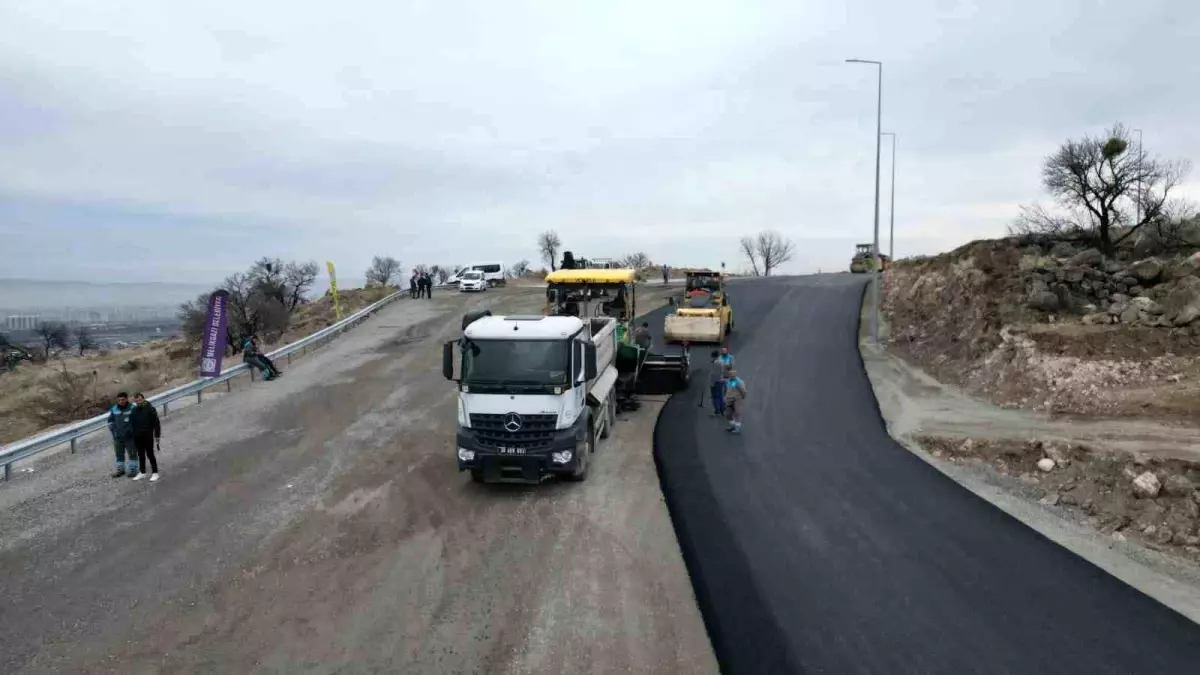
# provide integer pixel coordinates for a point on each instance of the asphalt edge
(1121, 560)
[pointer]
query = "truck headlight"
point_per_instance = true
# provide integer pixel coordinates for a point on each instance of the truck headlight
(561, 457)
(466, 455)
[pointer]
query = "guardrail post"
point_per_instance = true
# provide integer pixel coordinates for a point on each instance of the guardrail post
(251, 373)
(289, 358)
(199, 395)
(7, 471)
(72, 446)
(229, 385)
(166, 408)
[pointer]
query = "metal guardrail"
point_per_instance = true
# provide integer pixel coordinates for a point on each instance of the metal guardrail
(72, 433)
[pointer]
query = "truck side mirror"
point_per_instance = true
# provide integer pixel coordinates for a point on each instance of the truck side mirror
(448, 359)
(589, 361)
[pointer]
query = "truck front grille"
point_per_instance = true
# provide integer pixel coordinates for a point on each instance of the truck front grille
(535, 433)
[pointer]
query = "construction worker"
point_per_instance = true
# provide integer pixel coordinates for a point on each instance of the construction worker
(642, 336)
(735, 396)
(726, 357)
(716, 383)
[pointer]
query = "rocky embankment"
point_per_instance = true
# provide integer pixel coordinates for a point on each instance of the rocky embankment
(1053, 326)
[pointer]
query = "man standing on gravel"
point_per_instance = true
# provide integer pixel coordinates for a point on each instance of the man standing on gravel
(120, 423)
(146, 432)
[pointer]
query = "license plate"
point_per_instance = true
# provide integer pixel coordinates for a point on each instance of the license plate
(509, 450)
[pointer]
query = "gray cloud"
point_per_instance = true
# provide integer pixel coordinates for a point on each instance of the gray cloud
(441, 132)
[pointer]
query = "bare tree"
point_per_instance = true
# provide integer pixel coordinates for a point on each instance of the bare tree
(423, 269)
(519, 268)
(766, 251)
(84, 339)
(382, 270)
(298, 281)
(638, 261)
(287, 283)
(750, 250)
(191, 317)
(1105, 192)
(548, 245)
(54, 334)
(440, 273)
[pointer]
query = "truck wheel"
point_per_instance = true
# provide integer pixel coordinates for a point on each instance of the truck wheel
(477, 475)
(585, 459)
(610, 415)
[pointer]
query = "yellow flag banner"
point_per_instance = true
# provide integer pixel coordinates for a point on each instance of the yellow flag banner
(337, 305)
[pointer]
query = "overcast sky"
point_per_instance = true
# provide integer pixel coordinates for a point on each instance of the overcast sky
(175, 141)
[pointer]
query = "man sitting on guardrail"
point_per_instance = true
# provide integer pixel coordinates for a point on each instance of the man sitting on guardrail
(252, 355)
(120, 423)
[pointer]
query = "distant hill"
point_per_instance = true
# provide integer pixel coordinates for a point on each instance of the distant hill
(20, 294)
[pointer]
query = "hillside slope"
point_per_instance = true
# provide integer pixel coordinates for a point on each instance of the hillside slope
(1053, 327)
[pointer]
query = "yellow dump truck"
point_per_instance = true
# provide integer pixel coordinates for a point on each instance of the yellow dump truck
(703, 314)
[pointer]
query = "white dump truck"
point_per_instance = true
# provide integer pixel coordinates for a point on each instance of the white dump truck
(536, 394)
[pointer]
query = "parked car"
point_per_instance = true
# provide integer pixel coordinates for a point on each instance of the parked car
(472, 280)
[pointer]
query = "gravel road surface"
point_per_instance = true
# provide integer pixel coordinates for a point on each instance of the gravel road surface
(318, 524)
(819, 545)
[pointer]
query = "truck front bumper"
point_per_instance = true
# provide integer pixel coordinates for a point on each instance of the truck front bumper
(515, 464)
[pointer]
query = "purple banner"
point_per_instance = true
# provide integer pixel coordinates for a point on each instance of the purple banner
(212, 344)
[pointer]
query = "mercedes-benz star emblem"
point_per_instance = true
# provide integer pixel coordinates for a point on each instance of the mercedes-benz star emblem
(512, 422)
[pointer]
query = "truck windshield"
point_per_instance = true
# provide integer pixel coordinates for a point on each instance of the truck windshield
(545, 362)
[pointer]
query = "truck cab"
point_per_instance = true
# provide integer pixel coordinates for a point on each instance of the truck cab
(535, 394)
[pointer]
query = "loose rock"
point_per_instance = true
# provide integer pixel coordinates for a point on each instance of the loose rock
(1177, 486)
(1147, 270)
(1045, 464)
(1043, 300)
(1088, 258)
(1146, 486)
(1146, 305)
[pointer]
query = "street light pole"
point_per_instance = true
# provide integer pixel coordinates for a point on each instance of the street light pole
(892, 208)
(1138, 200)
(878, 152)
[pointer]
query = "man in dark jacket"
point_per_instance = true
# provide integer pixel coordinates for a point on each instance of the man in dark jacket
(146, 432)
(255, 358)
(426, 285)
(120, 423)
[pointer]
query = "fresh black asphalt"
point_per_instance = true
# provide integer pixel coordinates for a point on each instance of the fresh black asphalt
(816, 544)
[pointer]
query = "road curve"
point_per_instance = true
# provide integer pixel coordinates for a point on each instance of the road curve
(816, 544)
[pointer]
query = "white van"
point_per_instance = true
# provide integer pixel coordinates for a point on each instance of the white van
(493, 272)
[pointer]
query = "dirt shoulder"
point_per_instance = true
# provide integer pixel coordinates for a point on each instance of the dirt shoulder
(318, 522)
(1085, 500)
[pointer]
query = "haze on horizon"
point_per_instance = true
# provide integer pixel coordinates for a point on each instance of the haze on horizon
(178, 143)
